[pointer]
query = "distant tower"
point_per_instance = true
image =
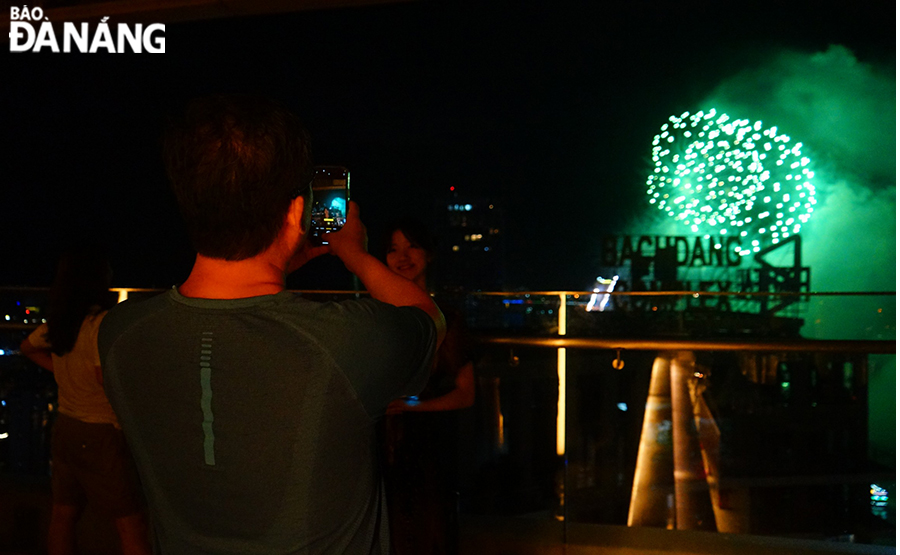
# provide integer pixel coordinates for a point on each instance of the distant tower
(470, 233)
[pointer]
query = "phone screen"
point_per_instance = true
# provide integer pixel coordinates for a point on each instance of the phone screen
(331, 193)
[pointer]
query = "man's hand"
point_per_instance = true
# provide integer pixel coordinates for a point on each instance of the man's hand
(304, 254)
(351, 241)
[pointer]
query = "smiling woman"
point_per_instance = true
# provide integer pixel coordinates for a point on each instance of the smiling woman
(410, 252)
(421, 431)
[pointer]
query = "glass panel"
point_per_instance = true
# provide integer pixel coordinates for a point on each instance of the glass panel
(665, 434)
(740, 442)
(762, 442)
(508, 457)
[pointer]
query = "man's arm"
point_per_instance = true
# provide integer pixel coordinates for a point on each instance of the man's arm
(349, 244)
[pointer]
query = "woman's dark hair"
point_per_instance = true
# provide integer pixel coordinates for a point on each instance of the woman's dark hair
(81, 285)
(415, 232)
(235, 163)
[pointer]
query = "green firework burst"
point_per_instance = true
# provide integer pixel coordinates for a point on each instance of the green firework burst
(731, 177)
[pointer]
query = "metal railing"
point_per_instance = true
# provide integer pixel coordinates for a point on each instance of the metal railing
(784, 346)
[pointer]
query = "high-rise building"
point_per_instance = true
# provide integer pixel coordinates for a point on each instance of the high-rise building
(470, 237)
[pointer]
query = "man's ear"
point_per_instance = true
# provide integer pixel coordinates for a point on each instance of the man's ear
(296, 215)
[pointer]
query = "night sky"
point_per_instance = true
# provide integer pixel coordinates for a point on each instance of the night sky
(548, 111)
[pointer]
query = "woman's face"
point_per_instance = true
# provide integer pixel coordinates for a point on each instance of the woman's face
(406, 259)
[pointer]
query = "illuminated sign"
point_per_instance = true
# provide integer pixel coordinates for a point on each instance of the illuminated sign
(674, 251)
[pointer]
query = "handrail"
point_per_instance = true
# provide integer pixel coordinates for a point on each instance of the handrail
(794, 345)
(682, 293)
(686, 293)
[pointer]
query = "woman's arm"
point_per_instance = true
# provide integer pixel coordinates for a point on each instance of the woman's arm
(462, 396)
(39, 356)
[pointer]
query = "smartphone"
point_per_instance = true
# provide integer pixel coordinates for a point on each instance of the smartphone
(331, 194)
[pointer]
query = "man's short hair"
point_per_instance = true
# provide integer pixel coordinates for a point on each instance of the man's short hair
(235, 163)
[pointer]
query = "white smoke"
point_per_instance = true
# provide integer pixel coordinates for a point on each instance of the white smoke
(844, 112)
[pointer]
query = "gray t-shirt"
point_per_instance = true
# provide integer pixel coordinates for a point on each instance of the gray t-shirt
(252, 421)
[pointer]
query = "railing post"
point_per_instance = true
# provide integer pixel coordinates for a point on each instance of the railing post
(561, 374)
(561, 412)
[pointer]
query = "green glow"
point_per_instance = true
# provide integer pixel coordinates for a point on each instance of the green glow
(721, 183)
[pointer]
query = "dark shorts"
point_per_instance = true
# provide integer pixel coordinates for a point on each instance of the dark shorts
(92, 464)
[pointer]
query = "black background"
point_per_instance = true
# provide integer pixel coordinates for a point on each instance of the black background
(547, 110)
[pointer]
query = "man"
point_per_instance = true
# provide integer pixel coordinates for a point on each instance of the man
(251, 411)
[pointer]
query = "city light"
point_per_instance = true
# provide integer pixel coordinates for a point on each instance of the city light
(720, 176)
(460, 207)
